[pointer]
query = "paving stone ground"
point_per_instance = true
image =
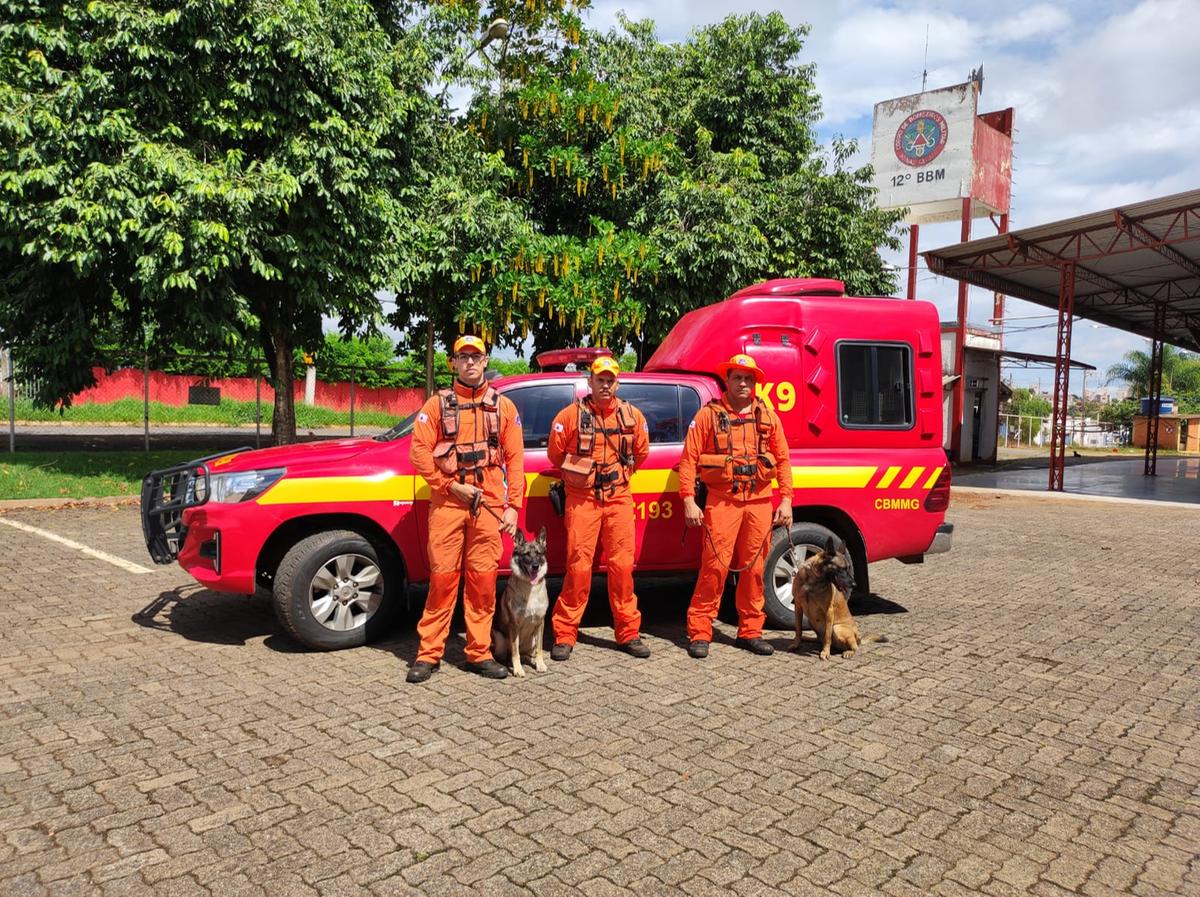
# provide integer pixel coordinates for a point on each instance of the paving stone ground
(1031, 727)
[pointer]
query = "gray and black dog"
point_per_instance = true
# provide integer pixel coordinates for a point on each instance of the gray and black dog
(521, 615)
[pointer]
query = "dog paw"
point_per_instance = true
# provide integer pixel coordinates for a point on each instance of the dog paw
(824, 655)
(846, 655)
(540, 666)
(793, 645)
(519, 672)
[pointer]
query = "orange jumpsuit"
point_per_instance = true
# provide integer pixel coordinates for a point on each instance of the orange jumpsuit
(606, 514)
(739, 520)
(454, 535)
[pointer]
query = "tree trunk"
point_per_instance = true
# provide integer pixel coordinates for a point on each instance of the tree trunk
(283, 426)
(430, 385)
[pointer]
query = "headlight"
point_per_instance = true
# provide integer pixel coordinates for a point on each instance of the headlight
(200, 486)
(231, 488)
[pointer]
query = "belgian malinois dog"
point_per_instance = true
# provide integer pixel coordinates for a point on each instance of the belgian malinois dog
(517, 626)
(819, 592)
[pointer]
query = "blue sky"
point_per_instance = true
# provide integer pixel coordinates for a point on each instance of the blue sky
(1105, 93)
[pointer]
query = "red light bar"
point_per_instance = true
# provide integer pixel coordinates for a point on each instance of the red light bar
(581, 357)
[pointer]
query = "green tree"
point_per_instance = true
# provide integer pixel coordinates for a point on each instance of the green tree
(1121, 412)
(1030, 409)
(1180, 371)
(371, 360)
(659, 178)
(200, 173)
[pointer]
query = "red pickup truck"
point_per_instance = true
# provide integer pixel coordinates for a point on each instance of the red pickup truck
(337, 529)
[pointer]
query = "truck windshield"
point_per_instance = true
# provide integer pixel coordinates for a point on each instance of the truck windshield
(402, 428)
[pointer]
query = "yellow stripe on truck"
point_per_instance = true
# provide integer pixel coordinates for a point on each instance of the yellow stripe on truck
(933, 478)
(385, 486)
(913, 476)
(832, 477)
(388, 486)
(886, 479)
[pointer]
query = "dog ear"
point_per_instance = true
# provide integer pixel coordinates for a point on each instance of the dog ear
(541, 538)
(830, 546)
(519, 536)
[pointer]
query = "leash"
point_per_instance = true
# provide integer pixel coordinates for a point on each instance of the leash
(750, 563)
(477, 502)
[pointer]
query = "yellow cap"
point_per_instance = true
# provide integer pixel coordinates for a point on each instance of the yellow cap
(606, 364)
(741, 363)
(469, 342)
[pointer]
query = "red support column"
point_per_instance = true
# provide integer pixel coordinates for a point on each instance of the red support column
(998, 298)
(960, 350)
(1156, 366)
(913, 235)
(1062, 376)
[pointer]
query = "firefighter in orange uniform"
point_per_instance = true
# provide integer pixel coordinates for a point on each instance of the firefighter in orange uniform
(598, 442)
(467, 444)
(737, 447)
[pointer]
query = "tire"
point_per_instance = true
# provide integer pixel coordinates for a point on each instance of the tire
(808, 539)
(335, 590)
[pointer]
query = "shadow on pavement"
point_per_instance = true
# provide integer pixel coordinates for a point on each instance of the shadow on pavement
(220, 618)
(875, 604)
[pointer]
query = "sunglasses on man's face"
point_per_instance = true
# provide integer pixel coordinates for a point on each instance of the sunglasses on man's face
(469, 356)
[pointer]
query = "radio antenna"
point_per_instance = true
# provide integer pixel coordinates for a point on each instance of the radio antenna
(925, 70)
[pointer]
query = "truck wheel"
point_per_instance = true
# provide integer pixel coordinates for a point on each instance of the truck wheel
(333, 590)
(782, 561)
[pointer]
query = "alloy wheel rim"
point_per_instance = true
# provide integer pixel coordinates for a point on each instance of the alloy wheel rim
(345, 592)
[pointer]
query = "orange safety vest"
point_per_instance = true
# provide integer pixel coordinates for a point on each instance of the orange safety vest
(751, 468)
(463, 459)
(580, 470)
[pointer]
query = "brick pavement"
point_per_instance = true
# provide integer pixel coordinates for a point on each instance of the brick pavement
(1031, 728)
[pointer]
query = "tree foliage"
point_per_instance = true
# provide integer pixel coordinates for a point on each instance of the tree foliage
(658, 178)
(1180, 371)
(223, 173)
(200, 172)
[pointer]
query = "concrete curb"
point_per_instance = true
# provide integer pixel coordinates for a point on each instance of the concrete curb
(46, 504)
(1073, 496)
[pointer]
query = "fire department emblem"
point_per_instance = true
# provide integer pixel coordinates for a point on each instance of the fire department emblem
(921, 138)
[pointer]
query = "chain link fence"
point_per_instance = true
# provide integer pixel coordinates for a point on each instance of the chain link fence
(186, 401)
(1024, 431)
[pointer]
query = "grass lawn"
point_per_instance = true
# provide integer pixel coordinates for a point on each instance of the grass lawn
(81, 474)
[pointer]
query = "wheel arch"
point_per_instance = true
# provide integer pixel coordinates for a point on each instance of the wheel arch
(292, 531)
(843, 524)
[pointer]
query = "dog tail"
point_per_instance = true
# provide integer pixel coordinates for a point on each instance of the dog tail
(874, 637)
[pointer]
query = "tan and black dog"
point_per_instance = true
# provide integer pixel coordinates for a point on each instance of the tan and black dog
(521, 614)
(819, 592)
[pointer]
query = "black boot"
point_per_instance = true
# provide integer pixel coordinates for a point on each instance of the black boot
(420, 671)
(755, 646)
(488, 669)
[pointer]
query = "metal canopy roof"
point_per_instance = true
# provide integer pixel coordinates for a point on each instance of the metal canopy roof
(1126, 261)
(1032, 359)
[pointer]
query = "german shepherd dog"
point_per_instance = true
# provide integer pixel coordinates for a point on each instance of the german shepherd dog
(819, 592)
(517, 626)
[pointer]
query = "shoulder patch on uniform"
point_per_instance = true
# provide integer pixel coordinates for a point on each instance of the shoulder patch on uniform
(692, 425)
(645, 427)
(559, 428)
(517, 420)
(422, 418)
